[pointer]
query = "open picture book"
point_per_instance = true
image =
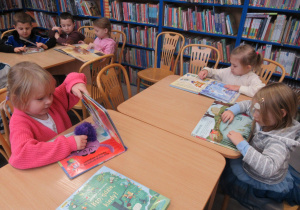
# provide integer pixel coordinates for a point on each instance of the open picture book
(79, 51)
(108, 144)
(213, 129)
(208, 87)
(108, 189)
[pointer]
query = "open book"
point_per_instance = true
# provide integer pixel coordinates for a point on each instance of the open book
(80, 52)
(30, 50)
(108, 144)
(209, 87)
(108, 189)
(213, 129)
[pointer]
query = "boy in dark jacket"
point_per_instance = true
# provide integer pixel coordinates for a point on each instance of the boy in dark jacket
(24, 30)
(66, 34)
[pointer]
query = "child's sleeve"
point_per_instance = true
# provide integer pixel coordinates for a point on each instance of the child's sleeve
(253, 87)
(73, 38)
(110, 47)
(6, 46)
(241, 107)
(217, 74)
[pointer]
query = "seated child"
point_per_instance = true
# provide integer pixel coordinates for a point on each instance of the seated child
(24, 29)
(66, 34)
(239, 76)
(263, 174)
(103, 42)
(40, 114)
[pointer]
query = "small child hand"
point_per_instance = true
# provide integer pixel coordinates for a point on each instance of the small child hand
(91, 45)
(78, 88)
(233, 87)
(227, 116)
(56, 35)
(42, 45)
(235, 137)
(203, 74)
(81, 141)
(81, 42)
(56, 28)
(20, 49)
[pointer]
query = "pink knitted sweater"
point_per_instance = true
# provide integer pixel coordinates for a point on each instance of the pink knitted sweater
(29, 137)
(107, 45)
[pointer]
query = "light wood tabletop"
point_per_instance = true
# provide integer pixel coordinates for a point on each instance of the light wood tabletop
(173, 110)
(185, 172)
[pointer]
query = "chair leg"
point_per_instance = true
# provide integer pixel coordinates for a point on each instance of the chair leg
(225, 202)
(138, 83)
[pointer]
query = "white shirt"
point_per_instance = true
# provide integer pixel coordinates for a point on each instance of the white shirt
(49, 123)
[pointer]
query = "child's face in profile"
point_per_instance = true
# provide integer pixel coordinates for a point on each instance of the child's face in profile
(24, 29)
(67, 25)
(39, 104)
(101, 32)
(237, 68)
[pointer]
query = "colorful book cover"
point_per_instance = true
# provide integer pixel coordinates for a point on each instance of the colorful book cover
(208, 87)
(80, 52)
(108, 145)
(108, 189)
(213, 129)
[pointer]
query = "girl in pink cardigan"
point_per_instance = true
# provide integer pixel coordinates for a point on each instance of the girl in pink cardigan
(40, 114)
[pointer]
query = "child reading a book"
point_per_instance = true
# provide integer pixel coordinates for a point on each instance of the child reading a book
(239, 76)
(66, 34)
(264, 171)
(40, 113)
(24, 35)
(103, 42)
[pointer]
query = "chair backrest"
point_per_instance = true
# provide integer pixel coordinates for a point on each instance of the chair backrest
(116, 36)
(199, 57)
(5, 33)
(110, 87)
(95, 67)
(6, 109)
(88, 32)
(267, 70)
(169, 44)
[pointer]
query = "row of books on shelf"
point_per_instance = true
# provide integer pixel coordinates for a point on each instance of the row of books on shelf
(137, 57)
(43, 19)
(261, 26)
(138, 35)
(135, 12)
(10, 4)
(279, 4)
(80, 7)
(85, 22)
(199, 20)
(49, 5)
(6, 20)
(229, 2)
(132, 76)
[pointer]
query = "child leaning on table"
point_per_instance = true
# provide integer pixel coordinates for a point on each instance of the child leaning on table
(239, 76)
(263, 173)
(40, 114)
(66, 34)
(103, 43)
(24, 29)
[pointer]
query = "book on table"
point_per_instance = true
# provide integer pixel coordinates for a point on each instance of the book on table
(213, 129)
(108, 189)
(208, 87)
(108, 144)
(80, 52)
(29, 50)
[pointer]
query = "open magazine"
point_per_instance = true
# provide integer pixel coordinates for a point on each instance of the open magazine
(213, 129)
(108, 189)
(79, 51)
(209, 87)
(108, 144)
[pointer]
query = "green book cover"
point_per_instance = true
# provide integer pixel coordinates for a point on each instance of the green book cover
(108, 189)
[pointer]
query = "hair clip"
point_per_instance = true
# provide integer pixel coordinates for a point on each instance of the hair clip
(257, 105)
(257, 53)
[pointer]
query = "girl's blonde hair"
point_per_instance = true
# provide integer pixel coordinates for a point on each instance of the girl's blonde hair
(103, 23)
(22, 80)
(274, 97)
(248, 56)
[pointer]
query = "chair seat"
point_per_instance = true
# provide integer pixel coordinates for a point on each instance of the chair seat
(154, 74)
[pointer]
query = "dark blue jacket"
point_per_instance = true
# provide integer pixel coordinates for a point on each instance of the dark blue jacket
(8, 44)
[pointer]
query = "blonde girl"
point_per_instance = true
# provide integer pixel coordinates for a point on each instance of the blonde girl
(40, 114)
(239, 76)
(263, 173)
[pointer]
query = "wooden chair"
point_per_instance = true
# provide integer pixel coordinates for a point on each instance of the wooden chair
(268, 69)
(88, 32)
(94, 66)
(7, 32)
(109, 86)
(200, 55)
(155, 74)
(6, 109)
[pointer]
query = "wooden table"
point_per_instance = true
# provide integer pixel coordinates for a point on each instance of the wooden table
(181, 170)
(173, 110)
